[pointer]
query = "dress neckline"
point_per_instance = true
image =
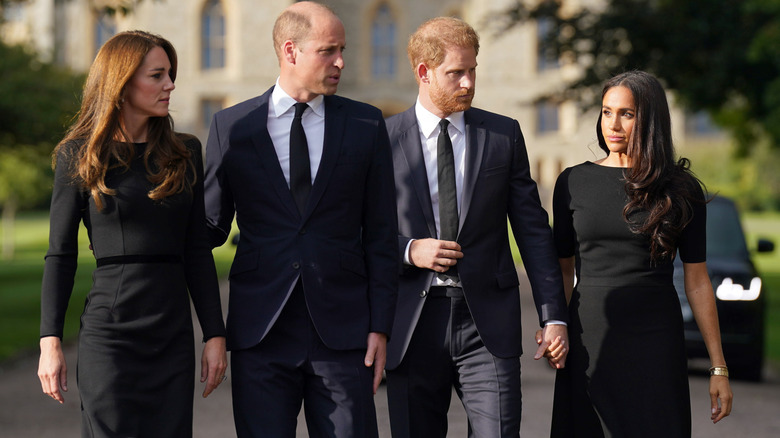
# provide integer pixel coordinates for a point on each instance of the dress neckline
(606, 167)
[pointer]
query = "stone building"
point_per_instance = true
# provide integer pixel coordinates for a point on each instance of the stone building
(226, 56)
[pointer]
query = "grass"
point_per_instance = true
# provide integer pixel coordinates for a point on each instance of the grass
(20, 281)
(20, 285)
(767, 225)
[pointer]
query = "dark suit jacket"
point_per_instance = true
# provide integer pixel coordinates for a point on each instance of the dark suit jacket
(497, 184)
(343, 248)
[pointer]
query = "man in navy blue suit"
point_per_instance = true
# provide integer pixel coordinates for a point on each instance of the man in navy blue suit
(308, 176)
(460, 172)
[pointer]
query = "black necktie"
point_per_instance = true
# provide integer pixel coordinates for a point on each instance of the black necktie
(300, 169)
(448, 198)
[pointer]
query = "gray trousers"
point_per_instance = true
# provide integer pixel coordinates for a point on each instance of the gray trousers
(446, 352)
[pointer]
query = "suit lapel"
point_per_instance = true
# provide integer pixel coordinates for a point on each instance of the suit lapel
(268, 158)
(335, 121)
(475, 147)
(411, 145)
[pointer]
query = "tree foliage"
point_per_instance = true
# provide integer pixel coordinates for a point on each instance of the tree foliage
(36, 99)
(36, 102)
(720, 56)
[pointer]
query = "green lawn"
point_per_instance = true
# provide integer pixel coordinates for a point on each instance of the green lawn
(767, 225)
(20, 282)
(20, 285)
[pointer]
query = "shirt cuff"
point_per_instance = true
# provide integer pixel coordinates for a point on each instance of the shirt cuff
(554, 322)
(407, 260)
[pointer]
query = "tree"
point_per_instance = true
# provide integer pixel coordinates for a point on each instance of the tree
(720, 56)
(25, 179)
(36, 101)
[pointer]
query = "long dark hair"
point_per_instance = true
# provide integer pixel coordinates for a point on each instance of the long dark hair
(657, 183)
(98, 124)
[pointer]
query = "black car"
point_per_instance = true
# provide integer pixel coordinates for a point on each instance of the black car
(738, 289)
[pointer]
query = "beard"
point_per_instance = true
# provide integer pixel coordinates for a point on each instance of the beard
(450, 103)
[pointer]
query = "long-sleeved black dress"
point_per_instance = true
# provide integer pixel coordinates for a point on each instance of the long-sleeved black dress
(626, 372)
(136, 358)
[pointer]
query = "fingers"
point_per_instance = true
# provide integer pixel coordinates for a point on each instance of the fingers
(540, 351)
(716, 410)
(376, 356)
(377, 378)
(434, 254)
(368, 361)
(370, 353)
(51, 384)
(213, 380)
(556, 337)
(556, 349)
(213, 364)
(52, 370)
(720, 398)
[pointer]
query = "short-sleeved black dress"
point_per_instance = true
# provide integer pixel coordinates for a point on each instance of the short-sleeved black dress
(626, 372)
(136, 358)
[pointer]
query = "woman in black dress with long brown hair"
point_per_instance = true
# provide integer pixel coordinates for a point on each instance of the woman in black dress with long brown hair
(138, 187)
(618, 224)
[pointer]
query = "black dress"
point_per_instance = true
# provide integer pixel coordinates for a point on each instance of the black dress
(626, 372)
(136, 358)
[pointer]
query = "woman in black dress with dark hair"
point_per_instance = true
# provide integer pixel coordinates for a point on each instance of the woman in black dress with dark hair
(618, 224)
(138, 188)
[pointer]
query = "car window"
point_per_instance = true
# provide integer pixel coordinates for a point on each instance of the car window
(724, 232)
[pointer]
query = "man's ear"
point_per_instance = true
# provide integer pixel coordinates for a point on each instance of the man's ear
(423, 74)
(288, 51)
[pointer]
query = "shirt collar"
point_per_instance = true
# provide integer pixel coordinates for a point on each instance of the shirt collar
(282, 102)
(429, 122)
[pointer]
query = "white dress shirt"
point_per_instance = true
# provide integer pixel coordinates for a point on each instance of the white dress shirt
(280, 115)
(428, 124)
(429, 134)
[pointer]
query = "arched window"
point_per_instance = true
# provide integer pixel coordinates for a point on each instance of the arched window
(546, 117)
(212, 36)
(383, 50)
(545, 52)
(105, 28)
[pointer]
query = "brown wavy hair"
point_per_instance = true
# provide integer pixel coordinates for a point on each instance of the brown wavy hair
(659, 186)
(429, 43)
(103, 142)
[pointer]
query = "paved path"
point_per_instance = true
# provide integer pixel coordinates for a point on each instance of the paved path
(26, 413)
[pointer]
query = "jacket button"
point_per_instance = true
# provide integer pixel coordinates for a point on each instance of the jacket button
(296, 265)
(423, 293)
(302, 232)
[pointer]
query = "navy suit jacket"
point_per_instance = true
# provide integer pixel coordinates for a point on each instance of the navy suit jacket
(342, 247)
(497, 184)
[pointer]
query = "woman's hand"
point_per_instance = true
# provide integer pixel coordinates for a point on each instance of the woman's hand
(720, 397)
(213, 364)
(52, 370)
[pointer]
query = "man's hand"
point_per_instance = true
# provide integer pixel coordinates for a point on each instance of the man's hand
(553, 344)
(376, 356)
(434, 254)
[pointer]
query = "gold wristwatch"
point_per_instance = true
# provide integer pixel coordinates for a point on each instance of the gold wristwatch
(719, 371)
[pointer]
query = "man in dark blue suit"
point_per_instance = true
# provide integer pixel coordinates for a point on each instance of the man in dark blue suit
(308, 176)
(460, 172)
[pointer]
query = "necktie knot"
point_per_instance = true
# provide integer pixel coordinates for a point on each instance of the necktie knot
(443, 124)
(300, 107)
